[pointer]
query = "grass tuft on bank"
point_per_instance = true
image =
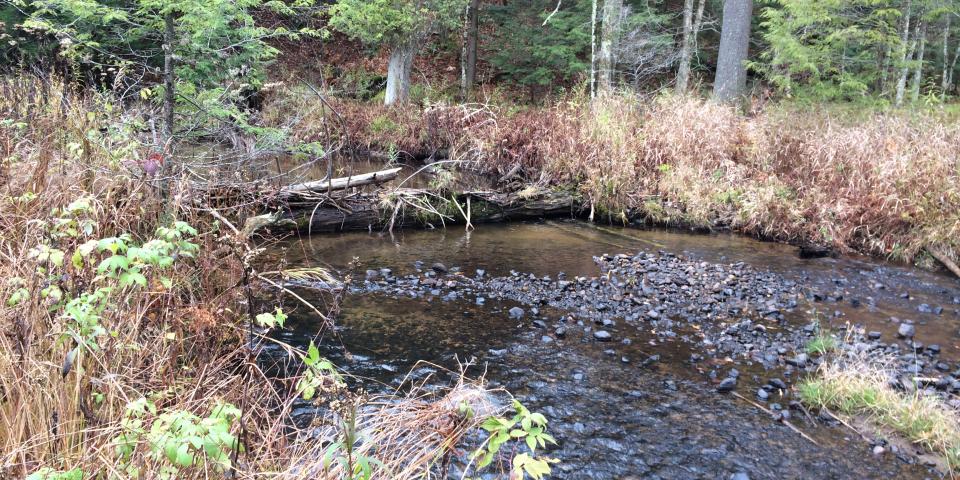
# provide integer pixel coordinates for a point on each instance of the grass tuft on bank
(862, 387)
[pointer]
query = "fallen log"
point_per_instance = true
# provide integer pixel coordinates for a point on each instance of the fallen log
(945, 260)
(342, 183)
(400, 208)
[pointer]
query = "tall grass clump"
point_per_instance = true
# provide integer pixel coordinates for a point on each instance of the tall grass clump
(132, 319)
(859, 386)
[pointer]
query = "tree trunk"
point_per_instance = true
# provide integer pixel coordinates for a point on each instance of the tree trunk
(731, 78)
(593, 49)
(169, 83)
(953, 67)
(398, 73)
(945, 78)
(918, 69)
(905, 53)
(468, 58)
(608, 43)
(686, 48)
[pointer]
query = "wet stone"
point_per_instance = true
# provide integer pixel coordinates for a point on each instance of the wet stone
(516, 312)
(727, 385)
(906, 330)
(602, 335)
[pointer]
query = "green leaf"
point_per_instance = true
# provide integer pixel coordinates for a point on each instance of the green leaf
(113, 263)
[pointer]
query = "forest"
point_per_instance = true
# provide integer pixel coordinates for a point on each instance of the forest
(465, 239)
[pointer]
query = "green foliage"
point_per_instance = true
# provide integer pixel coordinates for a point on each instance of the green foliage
(393, 22)
(319, 374)
(177, 439)
(525, 426)
(357, 467)
(532, 54)
(827, 49)
(220, 52)
(271, 320)
(47, 473)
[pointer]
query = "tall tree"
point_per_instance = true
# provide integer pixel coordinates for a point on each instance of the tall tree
(686, 47)
(593, 48)
(401, 25)
(468, 57)
(905, 53)
(731, 77)
(918, 64)
(945, 77)
(609, 37)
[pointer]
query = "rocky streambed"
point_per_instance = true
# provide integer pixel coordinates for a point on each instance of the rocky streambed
(657, 361)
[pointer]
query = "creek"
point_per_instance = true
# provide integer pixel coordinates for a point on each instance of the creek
(643, 402)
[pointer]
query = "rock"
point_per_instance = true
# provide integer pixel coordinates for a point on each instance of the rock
(799, 361)
(560, 332)
(879, 450)
(906, 330)
(372, 274)
(602, 335)
(874, 335)
(516, 312)
(546, 339)
(481, 272)
(763, 394)
(727, 385)
(740, 476)
(439, 267)
(777, 383)
(924, 308)
(539, 324)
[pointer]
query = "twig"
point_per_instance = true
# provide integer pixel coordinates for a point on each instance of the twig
(782, 420)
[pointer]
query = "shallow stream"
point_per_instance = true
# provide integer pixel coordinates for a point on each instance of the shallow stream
(643, 405)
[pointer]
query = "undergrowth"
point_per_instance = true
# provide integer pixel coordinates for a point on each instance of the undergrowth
(132, 317)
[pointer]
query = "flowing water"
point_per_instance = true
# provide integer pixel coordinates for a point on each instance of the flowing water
(615, 411)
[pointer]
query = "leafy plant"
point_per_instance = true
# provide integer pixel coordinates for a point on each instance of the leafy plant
(525, 425)
(47, 473)
(318, 374)
(179, 439)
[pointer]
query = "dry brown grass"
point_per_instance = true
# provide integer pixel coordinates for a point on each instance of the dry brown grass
(878, 183)
(182, 345)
